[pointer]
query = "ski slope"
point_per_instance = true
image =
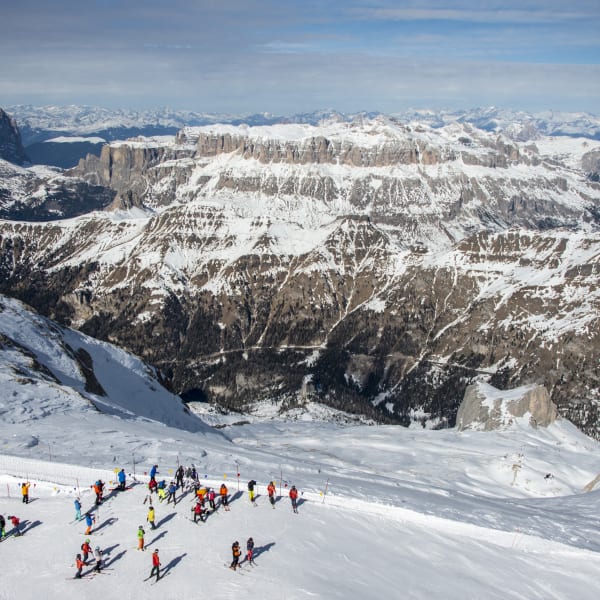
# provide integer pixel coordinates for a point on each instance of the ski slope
(383, 513)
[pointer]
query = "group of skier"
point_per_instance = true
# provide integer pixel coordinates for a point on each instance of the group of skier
(200, 510)
(236, 552)
(15, 522)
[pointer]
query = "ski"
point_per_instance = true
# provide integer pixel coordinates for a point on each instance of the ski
(161, 577)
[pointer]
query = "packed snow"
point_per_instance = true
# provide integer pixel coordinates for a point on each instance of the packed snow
(76, 139)
(384, 512)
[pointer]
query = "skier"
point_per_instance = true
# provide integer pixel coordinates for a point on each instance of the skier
(236, 552)
(172, 490)
(152, 485)
(294, 498)
(2, 527)
(251, 485)
(15, 523)
(122, 479)
(150, 518)
(211, 498)
(179, 476)
(77, 504)
(153, 472)
(155, 565)
(98, 488)
(201, 495)
(79, 564)
(250, 550)
(86, 549)
(271, 492)
(98, 559)
(224, 498)
(25, 492)
(140, 536)
(193, 474)
(199, 512)
(89, 521)
(162, 494)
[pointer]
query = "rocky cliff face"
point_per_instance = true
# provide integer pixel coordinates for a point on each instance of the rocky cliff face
(487, 409)
(382, 264)
(11, 148)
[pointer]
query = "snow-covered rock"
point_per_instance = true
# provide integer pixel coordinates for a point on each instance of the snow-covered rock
(486, 408)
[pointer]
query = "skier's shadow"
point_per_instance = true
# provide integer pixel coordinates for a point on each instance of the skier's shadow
(300, 501)
(184, 493)
(106, 523)
(235, 497)
(261, 549)
(158, 537)
(27, 526)
(110, 549)
(166, 519)
(115, 559)
(173, 563)
(110, 495)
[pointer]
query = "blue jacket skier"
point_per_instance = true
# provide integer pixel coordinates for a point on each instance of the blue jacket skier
(77, 504)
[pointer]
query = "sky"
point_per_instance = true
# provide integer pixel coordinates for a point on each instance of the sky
(284, 56)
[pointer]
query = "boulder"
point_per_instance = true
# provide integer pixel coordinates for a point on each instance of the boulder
(486, 408)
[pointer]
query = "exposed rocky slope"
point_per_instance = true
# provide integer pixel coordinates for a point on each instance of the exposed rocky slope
(378, 266)
(11, 148)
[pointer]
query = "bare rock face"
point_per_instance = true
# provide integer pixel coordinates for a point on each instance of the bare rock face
(11, 148)
(486, 408)
(590, 163)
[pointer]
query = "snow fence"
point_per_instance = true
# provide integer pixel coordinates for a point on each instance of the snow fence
(72, 476)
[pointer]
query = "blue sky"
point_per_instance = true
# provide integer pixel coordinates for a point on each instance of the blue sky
(290, 56)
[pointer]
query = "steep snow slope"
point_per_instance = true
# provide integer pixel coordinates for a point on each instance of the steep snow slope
(59, 369)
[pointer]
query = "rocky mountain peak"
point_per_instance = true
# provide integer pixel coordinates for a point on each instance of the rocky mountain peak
(11, 147)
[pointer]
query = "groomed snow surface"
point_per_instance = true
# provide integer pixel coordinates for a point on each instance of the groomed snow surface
(405, 514)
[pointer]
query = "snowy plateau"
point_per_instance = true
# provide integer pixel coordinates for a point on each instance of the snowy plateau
(384, 511)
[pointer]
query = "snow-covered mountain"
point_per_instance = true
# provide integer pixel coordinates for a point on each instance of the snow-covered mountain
(39, 123)
(384, 511)
(375, 265)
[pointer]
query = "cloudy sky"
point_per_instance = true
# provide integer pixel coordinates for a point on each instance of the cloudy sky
(286, 56)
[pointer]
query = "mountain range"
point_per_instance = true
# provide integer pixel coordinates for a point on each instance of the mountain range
(60, 135)
(376, 264)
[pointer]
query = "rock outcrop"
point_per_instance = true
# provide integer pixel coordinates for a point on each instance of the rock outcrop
(487, 408)
(11, 148)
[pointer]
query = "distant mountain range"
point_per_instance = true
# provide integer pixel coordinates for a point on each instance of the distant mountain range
(373, 264)
(46, 129)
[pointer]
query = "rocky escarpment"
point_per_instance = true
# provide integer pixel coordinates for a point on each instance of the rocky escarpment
(11, 148)
(422, 183)
(131, 169)
(590, 163)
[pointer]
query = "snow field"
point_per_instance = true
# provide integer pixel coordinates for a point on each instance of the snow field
(336, 547)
